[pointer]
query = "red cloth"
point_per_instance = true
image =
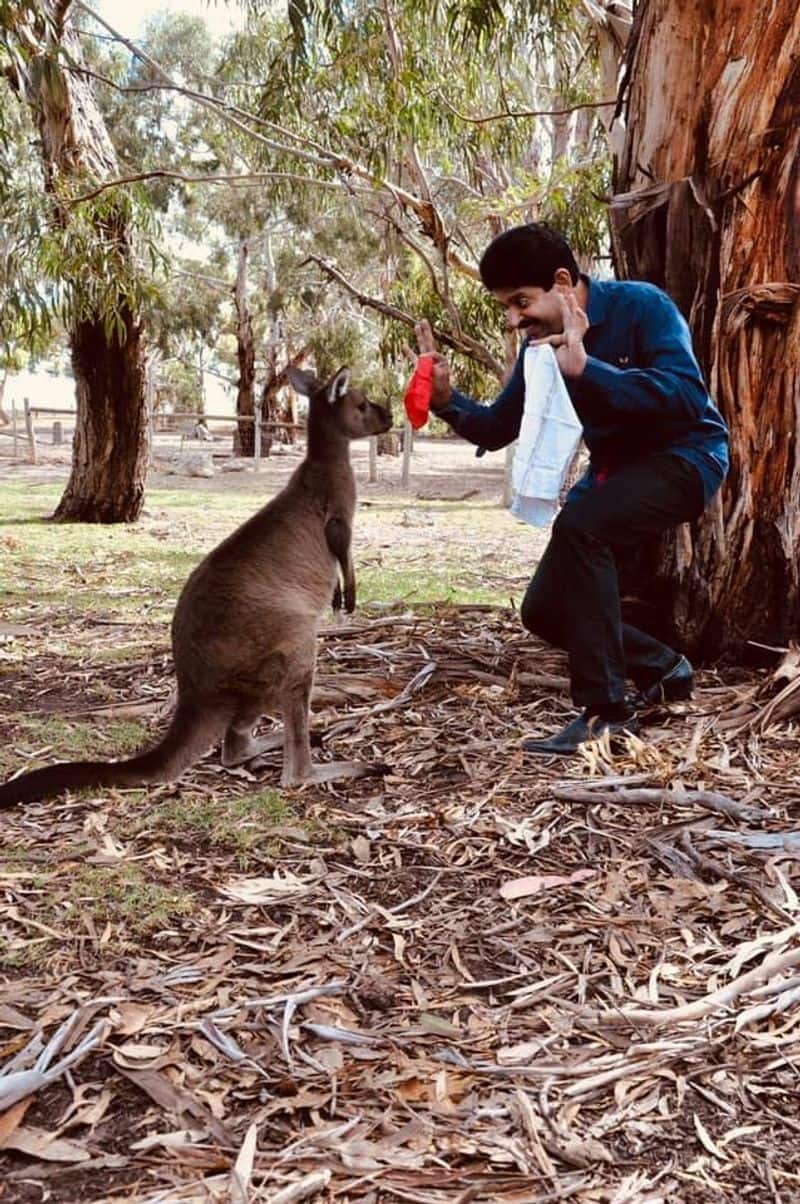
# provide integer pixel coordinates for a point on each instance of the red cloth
(418, 393)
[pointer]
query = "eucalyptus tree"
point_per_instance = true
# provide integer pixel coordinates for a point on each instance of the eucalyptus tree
(704, 201)
(431, 135)
(707, 204)
(28, 327)
(88, 251)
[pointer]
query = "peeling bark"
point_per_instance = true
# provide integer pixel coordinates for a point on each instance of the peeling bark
(708, 207)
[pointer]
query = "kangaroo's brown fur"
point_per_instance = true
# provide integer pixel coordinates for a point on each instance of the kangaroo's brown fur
(245, 626)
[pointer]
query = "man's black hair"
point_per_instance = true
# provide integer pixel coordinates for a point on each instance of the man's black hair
(527, 255)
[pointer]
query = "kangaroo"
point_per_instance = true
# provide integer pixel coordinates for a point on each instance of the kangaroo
(244, 632)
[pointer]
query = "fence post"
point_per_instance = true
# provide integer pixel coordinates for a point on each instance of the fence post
(373, 459)
(14, 425)
(30, 430)
(257, 436)
(509, 464)
(408, 435)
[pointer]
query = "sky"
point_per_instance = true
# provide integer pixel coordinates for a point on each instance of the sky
(129, 17)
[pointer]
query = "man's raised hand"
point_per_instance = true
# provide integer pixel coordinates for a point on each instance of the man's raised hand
(569, 348)
(440, 396)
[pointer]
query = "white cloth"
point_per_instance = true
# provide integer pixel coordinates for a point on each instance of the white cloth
(548, 439)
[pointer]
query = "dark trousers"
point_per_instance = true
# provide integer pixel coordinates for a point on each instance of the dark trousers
(573, 598)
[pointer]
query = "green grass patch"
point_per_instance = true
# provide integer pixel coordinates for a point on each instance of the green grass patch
(241, 825)
(124, 896)
(130, 572)
(447, 582)
(61, 739)
(79, 898)
(82, 740)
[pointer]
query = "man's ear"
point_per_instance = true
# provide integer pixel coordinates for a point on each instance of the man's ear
(563, 278)
(302, 382)
(337, 385)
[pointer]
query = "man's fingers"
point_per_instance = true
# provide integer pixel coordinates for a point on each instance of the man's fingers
(551, 340)
(425, 339)
(410, 355)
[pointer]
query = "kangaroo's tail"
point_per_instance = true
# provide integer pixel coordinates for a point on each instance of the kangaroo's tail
(192, 732)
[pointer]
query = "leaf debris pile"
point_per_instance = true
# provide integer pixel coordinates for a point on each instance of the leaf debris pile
(479, 978)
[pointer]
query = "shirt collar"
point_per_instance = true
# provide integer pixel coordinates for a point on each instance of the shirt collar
(599, 300)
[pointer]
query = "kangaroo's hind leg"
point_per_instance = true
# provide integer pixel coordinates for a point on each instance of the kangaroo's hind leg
(297, 764)
(241, 744)
(255, 695)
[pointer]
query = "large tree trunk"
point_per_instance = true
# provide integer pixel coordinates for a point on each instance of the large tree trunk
(111, 438)
(244, 435)
(708, 207)
(108, 474)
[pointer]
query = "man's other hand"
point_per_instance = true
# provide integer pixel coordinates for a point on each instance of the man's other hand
(569, 348)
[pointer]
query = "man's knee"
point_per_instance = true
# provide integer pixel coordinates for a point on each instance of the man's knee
(572, 524)
(537, 617)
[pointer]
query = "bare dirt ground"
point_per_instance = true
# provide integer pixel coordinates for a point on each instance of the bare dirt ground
(447, 468)
(475, 978)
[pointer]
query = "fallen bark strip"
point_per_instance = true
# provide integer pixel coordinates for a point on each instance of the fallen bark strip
(714, 868)
(708, 799)
(417, 683)
(772, 965)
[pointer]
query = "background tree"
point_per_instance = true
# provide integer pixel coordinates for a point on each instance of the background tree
(381, 178)
(430, 136)
(708, 207)
(89, 256)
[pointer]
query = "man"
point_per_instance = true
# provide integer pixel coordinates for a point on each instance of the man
(658, 454)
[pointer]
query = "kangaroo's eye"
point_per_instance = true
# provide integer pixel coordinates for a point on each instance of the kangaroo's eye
(363, 407)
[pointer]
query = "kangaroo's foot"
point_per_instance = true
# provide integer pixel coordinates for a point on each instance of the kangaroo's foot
(334, 771)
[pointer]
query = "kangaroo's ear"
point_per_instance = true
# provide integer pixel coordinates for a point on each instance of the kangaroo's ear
(302, 382)
(337, 385)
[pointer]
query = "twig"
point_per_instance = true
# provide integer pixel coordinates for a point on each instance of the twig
(398, 907)
(514, 114)
(308, 1186)
(239, 178)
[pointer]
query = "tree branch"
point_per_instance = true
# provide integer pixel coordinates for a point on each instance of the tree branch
(237, 178)
(214, 281)
(517, 113)
(463, 344)
(425, 211)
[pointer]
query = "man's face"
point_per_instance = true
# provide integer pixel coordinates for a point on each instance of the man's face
(535, 311)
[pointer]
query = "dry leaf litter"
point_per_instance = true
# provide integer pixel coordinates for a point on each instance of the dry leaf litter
(478, 978)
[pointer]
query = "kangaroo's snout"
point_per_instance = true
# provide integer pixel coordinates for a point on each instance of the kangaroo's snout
(382, 418)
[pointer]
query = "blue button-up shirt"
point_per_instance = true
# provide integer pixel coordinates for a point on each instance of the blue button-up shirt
(640, 393)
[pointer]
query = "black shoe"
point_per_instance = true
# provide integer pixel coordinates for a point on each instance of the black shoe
(580, 731)
(675, 686)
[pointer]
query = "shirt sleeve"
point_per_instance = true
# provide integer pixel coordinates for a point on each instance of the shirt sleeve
(489, 426)
(668, 382)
